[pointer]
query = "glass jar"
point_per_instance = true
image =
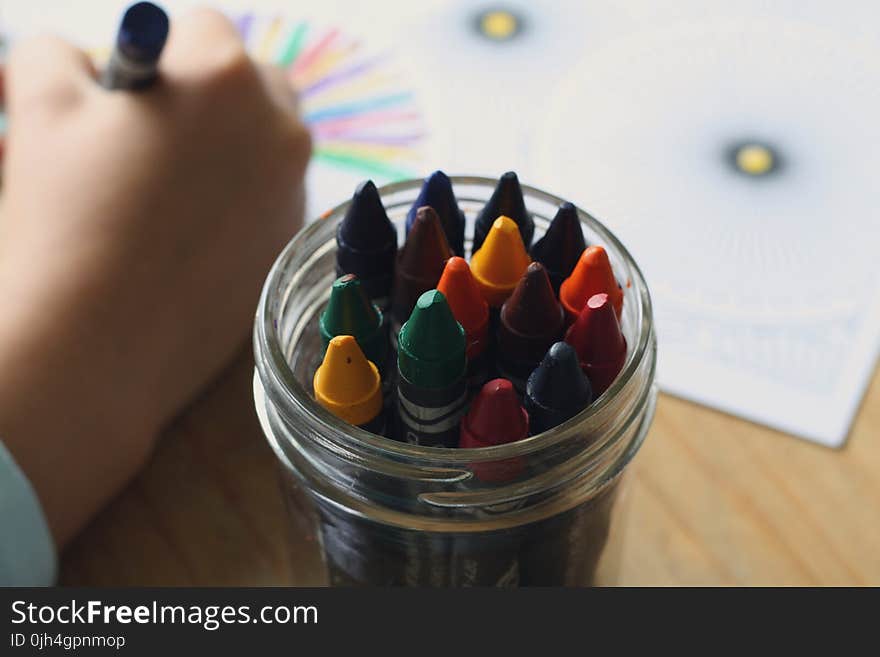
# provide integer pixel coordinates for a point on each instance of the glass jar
(373, 511)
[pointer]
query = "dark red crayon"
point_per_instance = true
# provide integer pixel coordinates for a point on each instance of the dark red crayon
(531, 320)
(599, 342)
(496, 417)
(561, 246)
(420, 264)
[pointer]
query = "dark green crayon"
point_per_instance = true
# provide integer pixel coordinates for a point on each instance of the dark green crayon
(350, 312)
(431, 374)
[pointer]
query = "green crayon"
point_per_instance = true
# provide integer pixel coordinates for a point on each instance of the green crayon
(431, 368)
(350, 312)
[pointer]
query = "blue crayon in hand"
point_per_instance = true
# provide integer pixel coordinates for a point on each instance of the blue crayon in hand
(139, 42)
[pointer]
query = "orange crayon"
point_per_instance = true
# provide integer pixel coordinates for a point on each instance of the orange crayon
(500, 262)
(349, 386)
(471, 311)
(592, 275)
(467, 304)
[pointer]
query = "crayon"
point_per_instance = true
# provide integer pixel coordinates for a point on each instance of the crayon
(507, 200)
(496, 417)
(349, 386)
(565, 549)
(350, 312)
(357, 549)
(134, 62)
(437, 193)
(360, 551)
(498, 266)
(419, 264)
(599, 342)
(366, 242)
(471, 311)
(531, 321)
(561, 246)
(431, 374)
(592, 275)
(557, 390)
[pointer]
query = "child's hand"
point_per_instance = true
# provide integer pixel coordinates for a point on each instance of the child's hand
(136, 230)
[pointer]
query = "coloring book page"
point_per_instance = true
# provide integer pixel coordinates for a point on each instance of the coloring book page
(731, 146)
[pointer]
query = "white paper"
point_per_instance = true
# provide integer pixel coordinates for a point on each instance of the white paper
(766, 291)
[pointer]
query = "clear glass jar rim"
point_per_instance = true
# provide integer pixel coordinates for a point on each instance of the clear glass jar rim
(281, 387)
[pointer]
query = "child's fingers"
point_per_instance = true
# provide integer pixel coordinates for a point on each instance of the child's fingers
(46, 69)
(279, 87)
(202, 43)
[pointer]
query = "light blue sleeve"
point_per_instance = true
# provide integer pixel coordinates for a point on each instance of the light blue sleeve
(27, 551)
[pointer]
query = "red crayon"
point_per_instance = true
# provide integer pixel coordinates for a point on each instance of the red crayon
(496, 417)
(592, 275)
(599, 342)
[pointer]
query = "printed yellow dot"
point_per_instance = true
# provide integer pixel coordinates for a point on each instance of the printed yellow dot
(754, 159)
(498, 25)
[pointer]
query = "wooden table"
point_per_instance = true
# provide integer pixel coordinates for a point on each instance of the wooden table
(715, 501)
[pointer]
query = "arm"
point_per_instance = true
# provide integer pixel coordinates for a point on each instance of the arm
(135, 233)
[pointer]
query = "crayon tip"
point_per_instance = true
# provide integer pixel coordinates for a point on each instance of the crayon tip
(437, 193)
(557, 390)
(599, 342)
(350, 312)
(507, 200)
(531, 320)
(347, 384)
(426, 249)
(142, 32)
(366, 243)
(532, 309)
(365, 225)
(499, 264)
(467, 304)
(592, 275)
(496, 417)
(431, 344)
(561, 246)
(420, 262)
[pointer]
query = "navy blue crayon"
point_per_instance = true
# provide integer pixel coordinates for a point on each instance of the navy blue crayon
(507, 200)
(557, 390)
(139, 42)
(561, 246)
(437, 193)
(366, 242)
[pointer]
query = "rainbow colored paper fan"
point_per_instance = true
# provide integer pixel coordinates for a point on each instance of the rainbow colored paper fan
(362, 116)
